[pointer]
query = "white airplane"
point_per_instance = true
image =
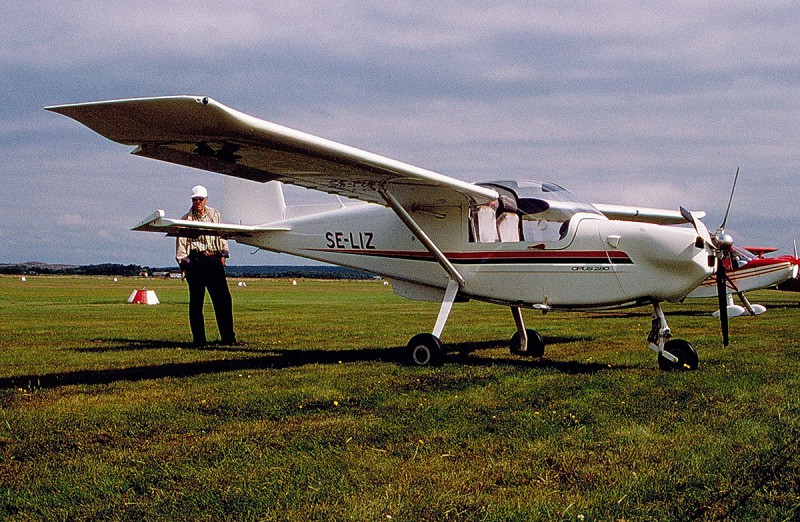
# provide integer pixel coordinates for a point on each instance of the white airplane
(520, 244)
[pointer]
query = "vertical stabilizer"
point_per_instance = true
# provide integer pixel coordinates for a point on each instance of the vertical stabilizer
(251, 203)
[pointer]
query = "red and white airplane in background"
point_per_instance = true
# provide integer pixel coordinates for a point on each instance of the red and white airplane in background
(792, 284)
(747, 270)
(520, 244)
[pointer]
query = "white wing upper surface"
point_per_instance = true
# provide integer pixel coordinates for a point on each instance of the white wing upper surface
(202, 133)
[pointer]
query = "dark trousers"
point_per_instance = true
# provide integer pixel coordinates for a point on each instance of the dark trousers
(208, 272)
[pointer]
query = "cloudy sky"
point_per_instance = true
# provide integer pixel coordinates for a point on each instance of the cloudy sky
(649, 103)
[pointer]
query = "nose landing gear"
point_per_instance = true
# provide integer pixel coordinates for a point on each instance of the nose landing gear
(673, 354)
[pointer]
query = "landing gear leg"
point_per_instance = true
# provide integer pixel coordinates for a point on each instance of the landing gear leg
(525, 341)
(673, 354)
(426, 349)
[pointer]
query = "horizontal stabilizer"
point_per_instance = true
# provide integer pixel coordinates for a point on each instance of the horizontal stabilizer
(156, 222)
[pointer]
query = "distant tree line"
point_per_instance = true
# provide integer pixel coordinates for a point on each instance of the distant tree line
(255, 271)
(110, 269)
(310, 272)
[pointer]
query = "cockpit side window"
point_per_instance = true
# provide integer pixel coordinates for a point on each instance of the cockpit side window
(526, 211)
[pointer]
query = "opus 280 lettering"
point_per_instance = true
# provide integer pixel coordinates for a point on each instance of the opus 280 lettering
(350, 240)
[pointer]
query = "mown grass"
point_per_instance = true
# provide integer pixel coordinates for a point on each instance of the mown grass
(106, 411)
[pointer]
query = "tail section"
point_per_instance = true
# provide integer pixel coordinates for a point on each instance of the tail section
(252, 203)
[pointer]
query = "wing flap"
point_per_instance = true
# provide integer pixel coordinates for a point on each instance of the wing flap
(202, 133)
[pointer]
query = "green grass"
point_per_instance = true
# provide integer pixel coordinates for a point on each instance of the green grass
(107, 412)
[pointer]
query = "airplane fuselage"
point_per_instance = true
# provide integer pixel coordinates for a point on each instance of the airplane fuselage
(597, 263)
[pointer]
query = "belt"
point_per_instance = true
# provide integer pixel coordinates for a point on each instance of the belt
(206, 253)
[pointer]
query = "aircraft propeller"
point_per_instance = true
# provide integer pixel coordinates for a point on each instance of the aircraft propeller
(720, 244)
(724, 243)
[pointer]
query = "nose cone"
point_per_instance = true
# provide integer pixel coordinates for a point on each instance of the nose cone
(667, 263)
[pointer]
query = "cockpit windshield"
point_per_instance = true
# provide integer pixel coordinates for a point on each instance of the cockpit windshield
(536, 197)
(527, 211)
(739, 258)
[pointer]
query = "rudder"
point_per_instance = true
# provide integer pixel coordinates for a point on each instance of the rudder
(252, 203)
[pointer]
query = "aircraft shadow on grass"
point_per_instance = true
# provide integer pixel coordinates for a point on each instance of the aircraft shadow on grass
(269, 358)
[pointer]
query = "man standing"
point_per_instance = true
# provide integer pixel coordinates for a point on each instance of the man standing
(203, 260)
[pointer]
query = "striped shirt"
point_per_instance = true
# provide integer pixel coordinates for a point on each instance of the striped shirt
(185, 246)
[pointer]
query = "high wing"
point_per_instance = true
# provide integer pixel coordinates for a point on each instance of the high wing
(760, 251)
(156, 222)
(202, 133)
(645, 215)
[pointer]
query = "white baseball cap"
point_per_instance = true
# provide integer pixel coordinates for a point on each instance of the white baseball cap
(199, 191)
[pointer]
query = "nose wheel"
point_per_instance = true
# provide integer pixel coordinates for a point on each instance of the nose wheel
(673, 354)
(683, 351)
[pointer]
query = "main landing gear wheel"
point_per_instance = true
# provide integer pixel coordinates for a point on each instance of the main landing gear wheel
(425, 350)
(535, 344)
(684, 351)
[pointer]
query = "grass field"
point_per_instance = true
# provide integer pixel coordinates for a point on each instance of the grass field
(107, 412)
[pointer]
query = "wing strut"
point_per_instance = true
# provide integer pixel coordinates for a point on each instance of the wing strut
(420, 234)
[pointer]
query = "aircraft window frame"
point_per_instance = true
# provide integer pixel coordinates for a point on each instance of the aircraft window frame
(740, 257)
(548, 224)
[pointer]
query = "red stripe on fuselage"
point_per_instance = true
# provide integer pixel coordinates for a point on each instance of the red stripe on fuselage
(556, 257)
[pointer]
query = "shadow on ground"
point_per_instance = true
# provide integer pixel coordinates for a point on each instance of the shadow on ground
(255, 358)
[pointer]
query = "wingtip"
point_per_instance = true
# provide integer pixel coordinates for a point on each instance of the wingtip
(204, 100)
(149, 220)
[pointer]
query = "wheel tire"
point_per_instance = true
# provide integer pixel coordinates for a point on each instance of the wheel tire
(535, 344)
(684, 351)
(425, 350)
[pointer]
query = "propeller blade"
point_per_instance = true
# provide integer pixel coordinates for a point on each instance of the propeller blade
(698, 225)
(730, 200)
(723, 301)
